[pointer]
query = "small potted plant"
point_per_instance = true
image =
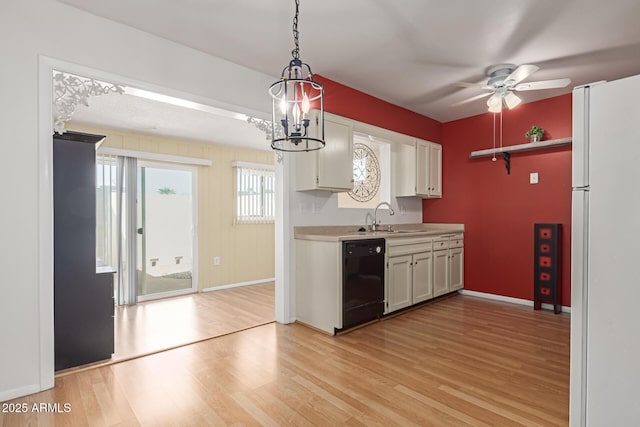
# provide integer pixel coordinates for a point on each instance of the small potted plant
(535, 133)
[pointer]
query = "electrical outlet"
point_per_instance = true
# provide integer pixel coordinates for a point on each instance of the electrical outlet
(216, 260)
(533, 178)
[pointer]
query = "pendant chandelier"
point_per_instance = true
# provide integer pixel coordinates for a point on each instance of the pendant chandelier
(297, 104)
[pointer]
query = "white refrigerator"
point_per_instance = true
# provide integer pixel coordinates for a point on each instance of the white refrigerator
(605, 255)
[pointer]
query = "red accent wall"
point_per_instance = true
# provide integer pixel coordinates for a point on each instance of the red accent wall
(499, 210)
(348, 102)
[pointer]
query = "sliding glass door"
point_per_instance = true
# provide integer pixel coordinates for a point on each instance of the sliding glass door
(166, 229)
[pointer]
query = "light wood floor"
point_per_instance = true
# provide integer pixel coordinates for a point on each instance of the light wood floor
(151, 326)
(460, 361)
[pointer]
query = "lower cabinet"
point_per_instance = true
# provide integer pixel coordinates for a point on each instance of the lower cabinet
(409, 272)
(400, 279)
(448, 264)
(456, 268)
(441, 264)
(422, 268)
(422, 277)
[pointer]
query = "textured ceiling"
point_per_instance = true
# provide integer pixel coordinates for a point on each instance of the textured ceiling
(407, 52)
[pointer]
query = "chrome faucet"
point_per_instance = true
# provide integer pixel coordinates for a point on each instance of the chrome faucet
(368, 217)
(374, 226)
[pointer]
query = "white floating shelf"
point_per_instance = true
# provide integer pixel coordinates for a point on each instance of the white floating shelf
(521, 147)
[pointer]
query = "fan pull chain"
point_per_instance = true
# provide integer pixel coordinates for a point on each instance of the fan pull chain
(493, 159)
(500, 130)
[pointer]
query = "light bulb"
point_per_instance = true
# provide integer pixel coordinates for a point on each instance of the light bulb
(306, 105)
(283, 105)
(296, 114)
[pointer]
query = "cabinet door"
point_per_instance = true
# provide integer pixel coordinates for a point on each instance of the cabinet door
(435, 170)
(422, 277)
(335, 160)
(456, 263)
(422, 167)
(403, 169)
(400, 282)
(440, 272)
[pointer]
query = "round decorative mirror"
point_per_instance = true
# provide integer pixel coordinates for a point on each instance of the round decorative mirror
(366, 173)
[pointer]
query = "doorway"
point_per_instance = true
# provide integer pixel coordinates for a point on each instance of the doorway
(47, 66)
(166, 239)
(147, 218)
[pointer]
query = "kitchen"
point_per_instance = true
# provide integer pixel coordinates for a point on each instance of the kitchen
(496, 209)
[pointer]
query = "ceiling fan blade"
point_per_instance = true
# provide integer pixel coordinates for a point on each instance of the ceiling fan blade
(543, 84)
(521, 73)
(473, 98)
(466, 84)
(473, 85)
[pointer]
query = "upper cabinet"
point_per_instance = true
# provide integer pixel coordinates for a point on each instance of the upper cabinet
(330, 168)
(417, 169)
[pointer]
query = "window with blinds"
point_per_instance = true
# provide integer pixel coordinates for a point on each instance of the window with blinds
(255, 193)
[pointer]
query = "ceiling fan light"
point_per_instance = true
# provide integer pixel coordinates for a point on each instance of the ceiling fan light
(495, 103)
(512, 100)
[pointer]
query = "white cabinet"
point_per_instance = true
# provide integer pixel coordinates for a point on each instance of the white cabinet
(422, 276)
(448, 264)
(409, 272)
(440, 272)
(400, 283)
(417, 169)
(331, 167)
(435, 170)
(456, 270)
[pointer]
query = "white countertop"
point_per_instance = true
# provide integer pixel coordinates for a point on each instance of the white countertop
(337, 233)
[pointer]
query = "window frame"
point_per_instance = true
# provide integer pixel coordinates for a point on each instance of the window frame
(261, 210)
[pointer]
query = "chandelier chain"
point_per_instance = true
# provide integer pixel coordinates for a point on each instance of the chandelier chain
(296, 52)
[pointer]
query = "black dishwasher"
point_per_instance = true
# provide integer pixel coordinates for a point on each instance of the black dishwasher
(362, 281)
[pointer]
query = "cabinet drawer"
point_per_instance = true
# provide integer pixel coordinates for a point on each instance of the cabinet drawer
(456, 241)
(441, 243)
(408, 246)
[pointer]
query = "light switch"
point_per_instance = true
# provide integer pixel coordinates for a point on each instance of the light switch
(533, 178)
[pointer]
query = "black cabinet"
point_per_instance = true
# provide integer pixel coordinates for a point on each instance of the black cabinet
(83, 299)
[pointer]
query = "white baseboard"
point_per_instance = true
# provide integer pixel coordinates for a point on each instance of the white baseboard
(19, 392)
(237, 285)
(509, 299)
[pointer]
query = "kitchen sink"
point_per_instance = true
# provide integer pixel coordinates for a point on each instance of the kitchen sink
(387, 231)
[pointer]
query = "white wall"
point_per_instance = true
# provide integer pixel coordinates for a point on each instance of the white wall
(38, 34)
(321, 208)
(29, 31)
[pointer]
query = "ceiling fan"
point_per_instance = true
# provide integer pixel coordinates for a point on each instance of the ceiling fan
(504, 80)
